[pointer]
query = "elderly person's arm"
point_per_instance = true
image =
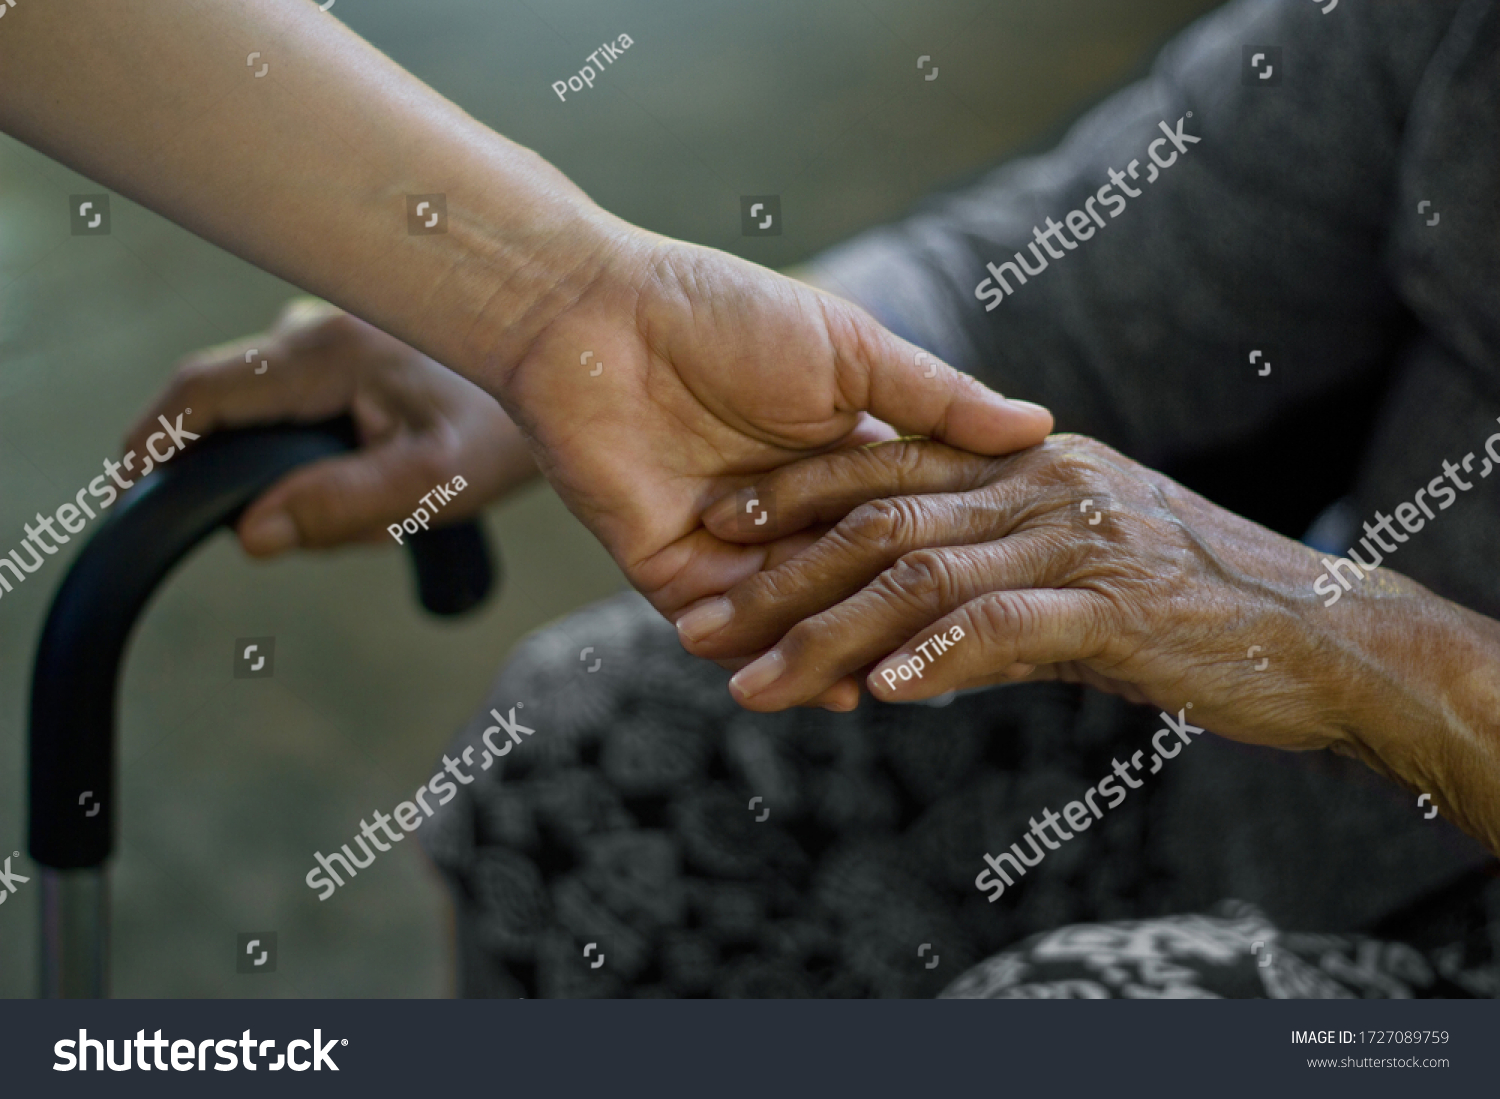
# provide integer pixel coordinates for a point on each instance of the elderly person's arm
(1273, 229)
(1070, 562)
(1285, 227)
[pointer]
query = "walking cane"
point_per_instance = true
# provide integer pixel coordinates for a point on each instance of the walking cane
(82, 649)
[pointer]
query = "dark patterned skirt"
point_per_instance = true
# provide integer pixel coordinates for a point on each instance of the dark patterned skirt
(647, 837)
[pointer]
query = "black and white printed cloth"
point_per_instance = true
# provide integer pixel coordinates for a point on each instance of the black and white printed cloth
(707, 851)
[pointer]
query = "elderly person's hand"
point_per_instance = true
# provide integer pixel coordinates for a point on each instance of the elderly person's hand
(1066, 561)
(1070, 562)
(418, 424)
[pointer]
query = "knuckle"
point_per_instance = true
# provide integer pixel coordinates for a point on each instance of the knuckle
(304, 315)
(1122, 628)
(925, 574)
(1075, 455)
(807, 638)
(880, 522)
(193, 373)
(765, 589)
(902, 458)
(430, 465)
(998, 617)
(1071, 560)
(191, 387)
(334, 499)
(1072, 442)
(1082, 473)
(1075, 467)
(436, 460)
(336, 320)
(321, 512)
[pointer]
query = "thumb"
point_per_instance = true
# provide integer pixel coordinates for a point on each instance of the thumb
(918, 394)
(353, 497)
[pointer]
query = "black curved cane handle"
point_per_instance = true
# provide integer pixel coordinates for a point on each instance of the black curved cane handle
(133, 549)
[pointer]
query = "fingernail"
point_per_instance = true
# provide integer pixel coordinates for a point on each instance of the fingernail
(1027, 406)
(722, 512)
(754, 678)
(699, 622)
(271, 533)
(718, 512)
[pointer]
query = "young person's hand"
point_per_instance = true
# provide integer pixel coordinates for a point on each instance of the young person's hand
(651, 376)
(680, 373)
(419, 424)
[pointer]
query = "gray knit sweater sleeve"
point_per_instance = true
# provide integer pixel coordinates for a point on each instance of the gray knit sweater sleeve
(1271, 233)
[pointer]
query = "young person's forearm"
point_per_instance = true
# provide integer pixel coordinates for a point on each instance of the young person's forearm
(1428, 714)
(305, 171)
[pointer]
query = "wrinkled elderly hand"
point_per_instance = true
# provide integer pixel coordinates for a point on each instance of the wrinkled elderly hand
(418, 424)
(1066, 561)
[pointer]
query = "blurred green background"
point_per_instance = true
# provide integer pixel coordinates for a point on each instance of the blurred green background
(228, 786)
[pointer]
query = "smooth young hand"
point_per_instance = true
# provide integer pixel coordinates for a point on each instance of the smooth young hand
(683, 373)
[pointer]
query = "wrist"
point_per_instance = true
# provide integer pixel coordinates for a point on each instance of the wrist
(525, 264)
(1423, 711)
(1311, 684)
(522, 243)
(515, 245)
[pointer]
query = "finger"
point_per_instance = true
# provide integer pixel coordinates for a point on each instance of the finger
(826, 488)
(224, 390)
(999, 636)
(840, 697)
(352, 497)
(923, 587)
(869, 540)
(868, 431)
(918, 394)
(1073, 672)
(701, 567)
